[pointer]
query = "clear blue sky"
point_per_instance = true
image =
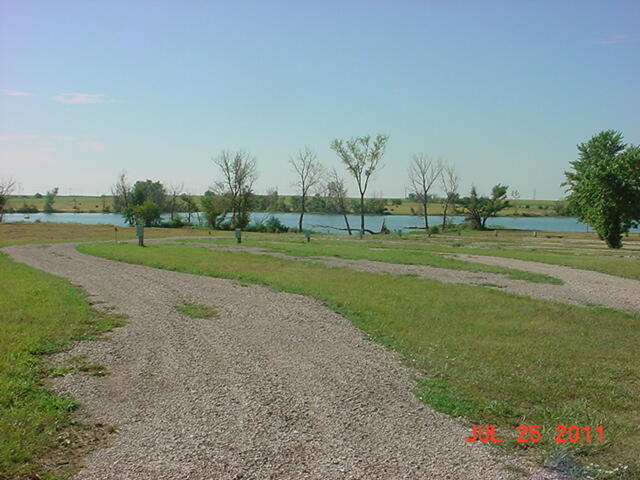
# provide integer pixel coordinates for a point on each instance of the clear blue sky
(503, 90)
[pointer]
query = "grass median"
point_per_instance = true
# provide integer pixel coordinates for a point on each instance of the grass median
(486, 355)
(354, 251)
(40, 314)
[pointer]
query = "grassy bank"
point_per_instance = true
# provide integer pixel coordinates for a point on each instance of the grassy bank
(489, 356)
(45, 232)
(40, 314)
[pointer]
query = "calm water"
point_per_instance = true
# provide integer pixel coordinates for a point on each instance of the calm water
(323, 223)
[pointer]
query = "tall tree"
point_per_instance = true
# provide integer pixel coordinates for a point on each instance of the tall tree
(122, 202)
(450, 181)
(479, 209)
(6, 189)
(49, 199)
(309, 174)
(173, 193)
(362, 158)
(238, 176)
(423, 174)
(337, 194)
(604, 185)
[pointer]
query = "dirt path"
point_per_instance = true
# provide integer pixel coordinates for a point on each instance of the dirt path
(581, 287)
(277, 386)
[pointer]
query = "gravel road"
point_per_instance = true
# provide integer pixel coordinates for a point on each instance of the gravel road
(581, 287)
(276, 387)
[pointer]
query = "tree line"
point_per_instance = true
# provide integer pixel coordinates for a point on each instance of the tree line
(603, 189)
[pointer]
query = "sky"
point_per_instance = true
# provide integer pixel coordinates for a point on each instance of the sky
(501, 90)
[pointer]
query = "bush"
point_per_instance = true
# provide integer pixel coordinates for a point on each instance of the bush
(270, 225)
(433, 230)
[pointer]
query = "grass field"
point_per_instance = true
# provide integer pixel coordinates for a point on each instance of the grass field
(40, 314)
(486, 355)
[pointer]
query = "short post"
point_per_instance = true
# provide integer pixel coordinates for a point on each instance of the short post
(307, 235)
(116, 232)
(496, 232)
(140, 234)
(535, 234)
(238, 235)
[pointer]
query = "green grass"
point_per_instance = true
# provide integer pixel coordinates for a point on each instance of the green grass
(622, 264)
(356, 250)
(196, 310)
(491, 356)
(40, 314)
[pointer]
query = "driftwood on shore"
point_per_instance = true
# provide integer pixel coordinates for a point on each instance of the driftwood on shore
(383, 229)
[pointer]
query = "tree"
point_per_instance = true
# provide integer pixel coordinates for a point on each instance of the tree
(239, 174)
(148, 213)
(213, 210)
(190, 206)
(309, 174)
(337, 195)
(515, 194)
(479, 209)
(423, 173)
(604, 185)
(450, 182)
(49, 199)
(122, 202)
(6, 189)
(174, 192)
(362, 158)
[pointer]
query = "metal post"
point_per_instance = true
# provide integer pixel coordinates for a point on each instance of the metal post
(116, 232)
(238, 235)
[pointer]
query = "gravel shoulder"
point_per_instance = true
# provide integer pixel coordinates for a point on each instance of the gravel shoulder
(277, 386)
(581, 287)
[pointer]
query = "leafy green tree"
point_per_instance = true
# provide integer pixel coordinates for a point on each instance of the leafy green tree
(604, 185)
(148, 213)
(149, 190)
(213, 209)
(362, 158)
(49, 199)
(479, 209)
(239, 173)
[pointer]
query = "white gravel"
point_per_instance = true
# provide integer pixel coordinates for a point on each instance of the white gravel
(276, 387)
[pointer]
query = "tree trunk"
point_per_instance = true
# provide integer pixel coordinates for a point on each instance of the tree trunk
(426, 218)
(444, 215)
(346, 221)
(301, 214)
(362, 213)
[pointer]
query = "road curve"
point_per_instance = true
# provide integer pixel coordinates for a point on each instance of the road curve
(277, 386)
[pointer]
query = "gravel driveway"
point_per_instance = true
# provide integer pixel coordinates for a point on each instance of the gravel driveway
(277, 386)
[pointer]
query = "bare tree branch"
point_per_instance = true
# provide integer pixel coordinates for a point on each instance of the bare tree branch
(309, 174)
(423, 173)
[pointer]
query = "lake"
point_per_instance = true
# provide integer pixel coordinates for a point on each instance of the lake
(323, 222)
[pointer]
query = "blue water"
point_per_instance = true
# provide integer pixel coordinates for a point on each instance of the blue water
(323, 223)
